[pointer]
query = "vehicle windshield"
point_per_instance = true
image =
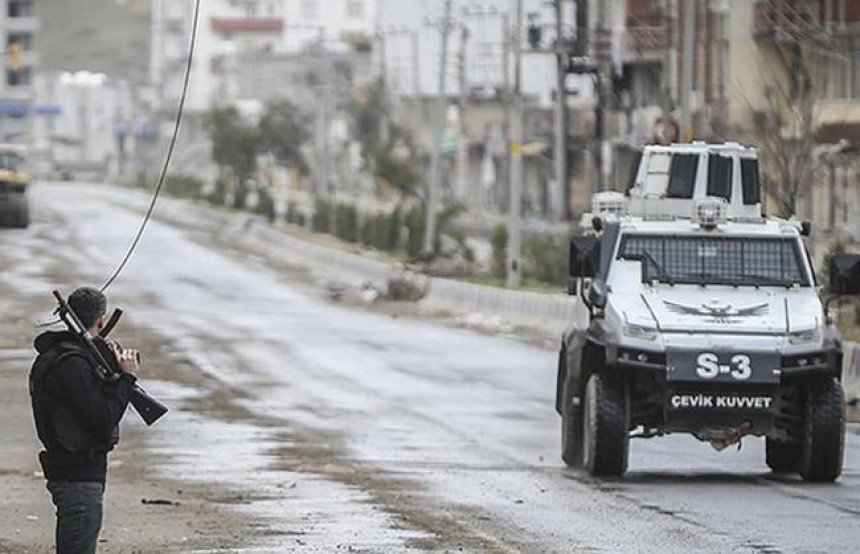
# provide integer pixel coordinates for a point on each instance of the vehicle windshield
(10, 161)
(697, 259)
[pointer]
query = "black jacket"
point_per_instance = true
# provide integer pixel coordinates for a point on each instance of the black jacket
(76, 412)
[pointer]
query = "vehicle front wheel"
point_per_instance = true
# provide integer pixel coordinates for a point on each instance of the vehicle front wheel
(783, 457)
(605, 427)
(824, 436)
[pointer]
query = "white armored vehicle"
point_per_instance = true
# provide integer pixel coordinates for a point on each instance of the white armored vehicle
(695, 314)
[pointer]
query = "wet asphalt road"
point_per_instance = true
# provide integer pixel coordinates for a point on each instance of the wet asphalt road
(450, 436)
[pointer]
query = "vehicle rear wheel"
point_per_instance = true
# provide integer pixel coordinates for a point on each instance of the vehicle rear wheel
(22, 219)
(824, 437)
(783, 457)
(605, 427)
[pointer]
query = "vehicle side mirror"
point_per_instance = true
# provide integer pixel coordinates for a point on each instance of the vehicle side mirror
(845, 274)
(597, 294)
(584, 257)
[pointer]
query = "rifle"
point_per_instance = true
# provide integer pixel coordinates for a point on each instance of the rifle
(148, 407)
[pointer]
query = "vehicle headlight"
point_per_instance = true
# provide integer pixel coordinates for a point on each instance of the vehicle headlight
(641, 332)
(806, 336)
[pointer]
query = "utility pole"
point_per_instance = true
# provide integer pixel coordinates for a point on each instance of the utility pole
(514, 264)
(687, 69)
(670, 62)
(327, 165)
(433, 191)
(604, 74)
(506, 100)
(462, 146)
(561, 204)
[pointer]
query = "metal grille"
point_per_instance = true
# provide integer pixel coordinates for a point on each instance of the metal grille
(716, 260)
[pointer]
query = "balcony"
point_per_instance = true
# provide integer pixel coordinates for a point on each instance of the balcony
(646, 43)
(647, 33)
(230, 25)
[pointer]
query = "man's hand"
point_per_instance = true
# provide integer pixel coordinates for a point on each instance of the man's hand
(128, 360)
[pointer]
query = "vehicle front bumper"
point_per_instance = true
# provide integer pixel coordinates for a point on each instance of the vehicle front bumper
(705, 407)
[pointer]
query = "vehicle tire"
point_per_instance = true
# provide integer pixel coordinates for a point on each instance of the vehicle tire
(824, 436)
(783, 457)
(22, 220)
(605, 427)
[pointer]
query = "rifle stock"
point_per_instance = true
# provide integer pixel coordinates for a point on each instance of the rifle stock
(148, 407)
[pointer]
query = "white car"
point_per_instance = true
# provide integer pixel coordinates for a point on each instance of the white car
(695, 314)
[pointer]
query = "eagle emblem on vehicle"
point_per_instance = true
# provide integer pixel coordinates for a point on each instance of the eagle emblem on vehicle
(718, 312)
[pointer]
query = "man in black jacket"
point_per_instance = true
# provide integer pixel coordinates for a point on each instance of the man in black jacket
(77, 417)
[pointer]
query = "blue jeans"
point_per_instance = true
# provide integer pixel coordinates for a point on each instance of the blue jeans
(79, 515)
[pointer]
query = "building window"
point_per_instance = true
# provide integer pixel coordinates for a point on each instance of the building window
(20, 8)
(818, 67)
(355, 9)
(23, 39)
(855, 71)
(310, 9)
(838, 74)
(19, 78)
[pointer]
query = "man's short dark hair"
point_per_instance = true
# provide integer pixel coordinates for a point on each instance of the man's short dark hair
(89, 304)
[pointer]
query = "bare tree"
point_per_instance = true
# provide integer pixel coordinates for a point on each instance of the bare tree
(786, 131)
(804, 44)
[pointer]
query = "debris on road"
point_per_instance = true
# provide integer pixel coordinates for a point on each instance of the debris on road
(159, 502)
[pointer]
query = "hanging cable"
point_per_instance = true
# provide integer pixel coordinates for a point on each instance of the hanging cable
(167, 158)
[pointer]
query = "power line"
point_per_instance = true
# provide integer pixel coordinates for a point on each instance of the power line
(167, 158)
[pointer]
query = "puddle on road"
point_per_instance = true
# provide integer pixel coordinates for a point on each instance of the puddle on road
(297, 510)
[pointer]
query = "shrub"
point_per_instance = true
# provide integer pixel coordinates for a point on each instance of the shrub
(395, 225)
(414, 222)
(266, 205)
(183, 186)
(499, 242)
(545, 259)
(322, 213)
(380, 231)
(292, 214)
(347, 222)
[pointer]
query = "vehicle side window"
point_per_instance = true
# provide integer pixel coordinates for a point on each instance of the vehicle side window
(750, 181)
(634, 169)
(720, 176)
(682, 175)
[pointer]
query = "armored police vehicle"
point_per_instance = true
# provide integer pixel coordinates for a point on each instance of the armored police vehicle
(696, 314)
(14, 205)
